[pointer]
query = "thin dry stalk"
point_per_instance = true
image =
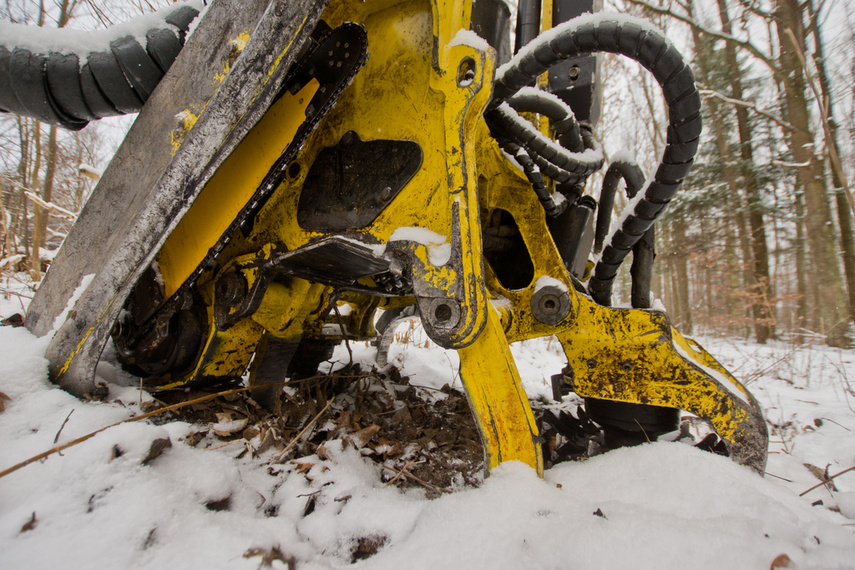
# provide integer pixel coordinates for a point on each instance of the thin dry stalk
(826, 481)
(170, 408)
(90, 435)
(402, 470)
(304, 430)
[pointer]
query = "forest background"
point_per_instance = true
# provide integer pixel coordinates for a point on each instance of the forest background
(759, 242)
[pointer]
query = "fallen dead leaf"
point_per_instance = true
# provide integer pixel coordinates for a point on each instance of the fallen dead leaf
(322, 452)
(781, 562)
(268, 555)
(303, 467)
(363, 436)
(228, 425)
(156, 449)
(30, 524)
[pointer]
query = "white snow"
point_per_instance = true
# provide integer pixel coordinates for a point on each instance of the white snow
(622, 155)
(469, 38)
(85, 281)
(664, 505)
(587, 155)
(439, 248)
(547, 281)
(83, 42)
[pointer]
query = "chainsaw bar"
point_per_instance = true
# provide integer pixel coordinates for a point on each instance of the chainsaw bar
(333, 60)
(138, 202)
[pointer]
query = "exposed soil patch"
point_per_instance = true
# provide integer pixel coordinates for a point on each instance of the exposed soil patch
(421, 437)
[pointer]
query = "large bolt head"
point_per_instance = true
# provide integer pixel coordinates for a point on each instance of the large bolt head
(231, 289)
(550, 305)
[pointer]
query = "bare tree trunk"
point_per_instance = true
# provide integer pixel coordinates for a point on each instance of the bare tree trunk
(681, 275)
(719, 133)
(7, 239)
(802, 267)
(761, 284)
(34, 257)
(820, 230)
(20, 227)
(844, 213)
(40, 228)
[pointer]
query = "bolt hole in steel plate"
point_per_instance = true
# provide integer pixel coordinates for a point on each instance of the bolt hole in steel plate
(443, 313)
(466, 72)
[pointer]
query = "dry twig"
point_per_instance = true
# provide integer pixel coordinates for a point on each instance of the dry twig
(826, 481)
(304, 430)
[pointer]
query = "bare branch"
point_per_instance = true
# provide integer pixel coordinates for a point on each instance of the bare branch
(753, 106)
(57, 210)
(752, 7)
(744, 44)
(786, 164)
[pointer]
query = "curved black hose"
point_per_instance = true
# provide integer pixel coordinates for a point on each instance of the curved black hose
(70, 87)
(630, 172)
(617, 171)
(532, 172)
(561, 117)
(635, 39)
(556, 162)
(641, 271)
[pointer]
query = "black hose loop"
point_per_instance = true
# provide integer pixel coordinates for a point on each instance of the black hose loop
(600, 286)
(552, 206)
(618, 170)
(556, 161)
(636, 39)
(561, 117)
(74, 84)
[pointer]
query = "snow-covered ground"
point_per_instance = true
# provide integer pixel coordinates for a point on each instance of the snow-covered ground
(661, 505)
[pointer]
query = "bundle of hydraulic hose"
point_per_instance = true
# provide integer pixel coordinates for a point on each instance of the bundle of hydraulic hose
(577, 155)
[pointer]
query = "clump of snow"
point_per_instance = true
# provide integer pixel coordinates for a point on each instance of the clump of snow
(85, 281)
(439, 248)
(547, 281)
(469, 38)
(83, 42)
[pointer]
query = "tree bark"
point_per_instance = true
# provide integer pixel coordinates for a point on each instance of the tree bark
(844, 212)
(761, 284)
(34, 257)
(681, 276)
(42, 217)
(820, 230)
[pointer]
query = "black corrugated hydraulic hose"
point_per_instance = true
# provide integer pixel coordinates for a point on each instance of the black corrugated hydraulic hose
(553, 159)
(70, 87)
(532, 172)
(561, 117)
(635, 39)
(618, 170)
(630, 172)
